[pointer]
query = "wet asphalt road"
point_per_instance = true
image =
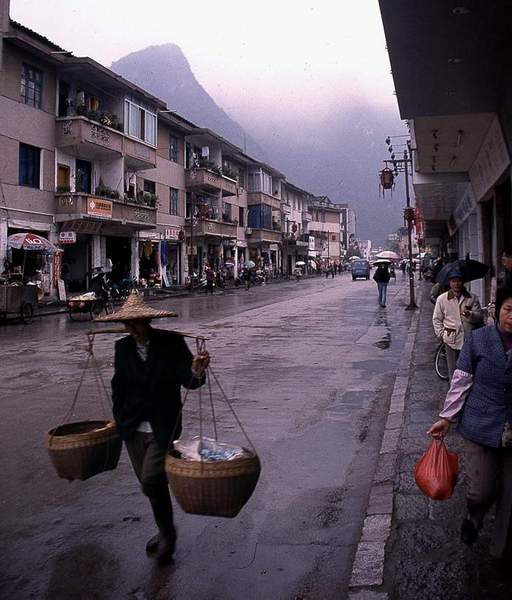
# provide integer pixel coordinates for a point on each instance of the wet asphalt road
(310, 367)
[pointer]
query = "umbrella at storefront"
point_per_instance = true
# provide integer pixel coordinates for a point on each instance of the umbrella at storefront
(388, 254)
(468, 269)
(249, 264)
(30, 241)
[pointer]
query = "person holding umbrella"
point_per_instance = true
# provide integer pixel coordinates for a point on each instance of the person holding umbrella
(381, 278)
(456, 313)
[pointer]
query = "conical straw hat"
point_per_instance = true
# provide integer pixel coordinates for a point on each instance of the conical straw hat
(135, 308)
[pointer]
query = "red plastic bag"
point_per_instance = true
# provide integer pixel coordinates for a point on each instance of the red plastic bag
(437, 471)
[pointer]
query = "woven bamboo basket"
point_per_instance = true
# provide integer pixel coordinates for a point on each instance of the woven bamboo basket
(217, 489)
(83, 449)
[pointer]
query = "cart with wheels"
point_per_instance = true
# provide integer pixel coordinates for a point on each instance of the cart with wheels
(18, 301)
(87, 306)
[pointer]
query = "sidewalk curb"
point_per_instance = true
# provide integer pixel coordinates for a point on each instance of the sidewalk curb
(368, 566)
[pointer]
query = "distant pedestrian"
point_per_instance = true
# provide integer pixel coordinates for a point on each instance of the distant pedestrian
(480, 397)
(456, 313)
(381, 278)
(210, 280)
(333, 268)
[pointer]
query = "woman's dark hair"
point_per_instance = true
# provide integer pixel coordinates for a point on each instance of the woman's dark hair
(502, 294)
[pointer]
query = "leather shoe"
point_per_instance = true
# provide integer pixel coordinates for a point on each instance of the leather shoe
(468, 532)
(152, 544)
(166, 550)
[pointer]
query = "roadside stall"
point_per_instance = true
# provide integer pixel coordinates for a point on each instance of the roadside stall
(21, 283)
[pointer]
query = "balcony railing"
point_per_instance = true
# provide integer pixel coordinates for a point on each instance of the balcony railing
(204, 178)
(262, 198)
(264, 235)
(213, 227)
(306, 216)
(90, 139)
(79, 206)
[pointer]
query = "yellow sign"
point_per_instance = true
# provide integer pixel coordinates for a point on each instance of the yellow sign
(97, 207)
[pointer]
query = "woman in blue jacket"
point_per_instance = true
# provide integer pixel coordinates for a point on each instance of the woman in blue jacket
(480, 395)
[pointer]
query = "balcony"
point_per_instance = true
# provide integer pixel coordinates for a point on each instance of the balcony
(262, 198)
(202, 178)
(78, 206)
(306, 216)
(264, 235)
(213, 227)
(91, 140)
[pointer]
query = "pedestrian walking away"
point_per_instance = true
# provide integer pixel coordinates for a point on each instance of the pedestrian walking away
(480, 395)
(456, 313)
(150, 367)
(210, 280)
(381, 278)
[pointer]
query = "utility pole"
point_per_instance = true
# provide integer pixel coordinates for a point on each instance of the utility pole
(409, 217)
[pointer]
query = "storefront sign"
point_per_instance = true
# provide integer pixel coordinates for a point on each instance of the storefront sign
(311, 242)
(274, 247)
(241, 244)
(67, 237)
(171, 234)
(97, 207)
(463, 210)
(491, 161)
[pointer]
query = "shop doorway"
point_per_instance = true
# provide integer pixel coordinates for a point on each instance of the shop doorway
(76, 264)
(119, 251)
(149, 263)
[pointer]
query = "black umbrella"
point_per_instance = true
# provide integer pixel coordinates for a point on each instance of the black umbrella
(469, 270)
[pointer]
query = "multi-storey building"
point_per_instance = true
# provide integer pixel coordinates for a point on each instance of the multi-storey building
(264, 224)
(108, 174)
(296, 217)
(217, 201)
(325, 226)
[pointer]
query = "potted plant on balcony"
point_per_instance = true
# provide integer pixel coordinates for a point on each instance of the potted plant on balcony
(63, 189)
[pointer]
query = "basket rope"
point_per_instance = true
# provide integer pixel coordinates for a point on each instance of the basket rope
(100, 385)
(201, 347)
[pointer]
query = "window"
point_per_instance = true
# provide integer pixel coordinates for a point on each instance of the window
(30, 165)
(260, 216)
(173, 148)
(241, 216)
(139, 122)
(31, 86)
(149, 186)
(173, 201)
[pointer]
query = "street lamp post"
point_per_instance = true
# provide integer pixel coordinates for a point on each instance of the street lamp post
(402, 164)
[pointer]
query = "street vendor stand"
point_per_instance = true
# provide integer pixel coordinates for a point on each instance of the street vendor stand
(18, 300)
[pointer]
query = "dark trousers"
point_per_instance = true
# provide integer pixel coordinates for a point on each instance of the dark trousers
(489, 481)
(148, 460)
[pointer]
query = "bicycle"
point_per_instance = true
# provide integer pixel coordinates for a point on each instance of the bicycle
(440, 362)
(489, 312)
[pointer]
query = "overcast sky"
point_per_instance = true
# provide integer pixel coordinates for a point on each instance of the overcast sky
(266, 55)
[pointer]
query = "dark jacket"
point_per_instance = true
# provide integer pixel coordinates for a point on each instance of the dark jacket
(381, 275)
(489, 403)
(151, 390)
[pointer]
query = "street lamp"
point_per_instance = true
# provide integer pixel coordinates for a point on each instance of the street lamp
(402, 165)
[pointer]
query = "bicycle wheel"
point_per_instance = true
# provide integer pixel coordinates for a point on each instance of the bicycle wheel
(440, 363)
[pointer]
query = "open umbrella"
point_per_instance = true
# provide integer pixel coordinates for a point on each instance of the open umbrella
(469, 270)
(30, 241)
(388, 254)
(249, 264)
(382, 261)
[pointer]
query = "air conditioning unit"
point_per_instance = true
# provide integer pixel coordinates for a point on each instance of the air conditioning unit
(248, 230)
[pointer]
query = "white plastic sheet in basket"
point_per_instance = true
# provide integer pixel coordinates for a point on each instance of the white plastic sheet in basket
(208, 449)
